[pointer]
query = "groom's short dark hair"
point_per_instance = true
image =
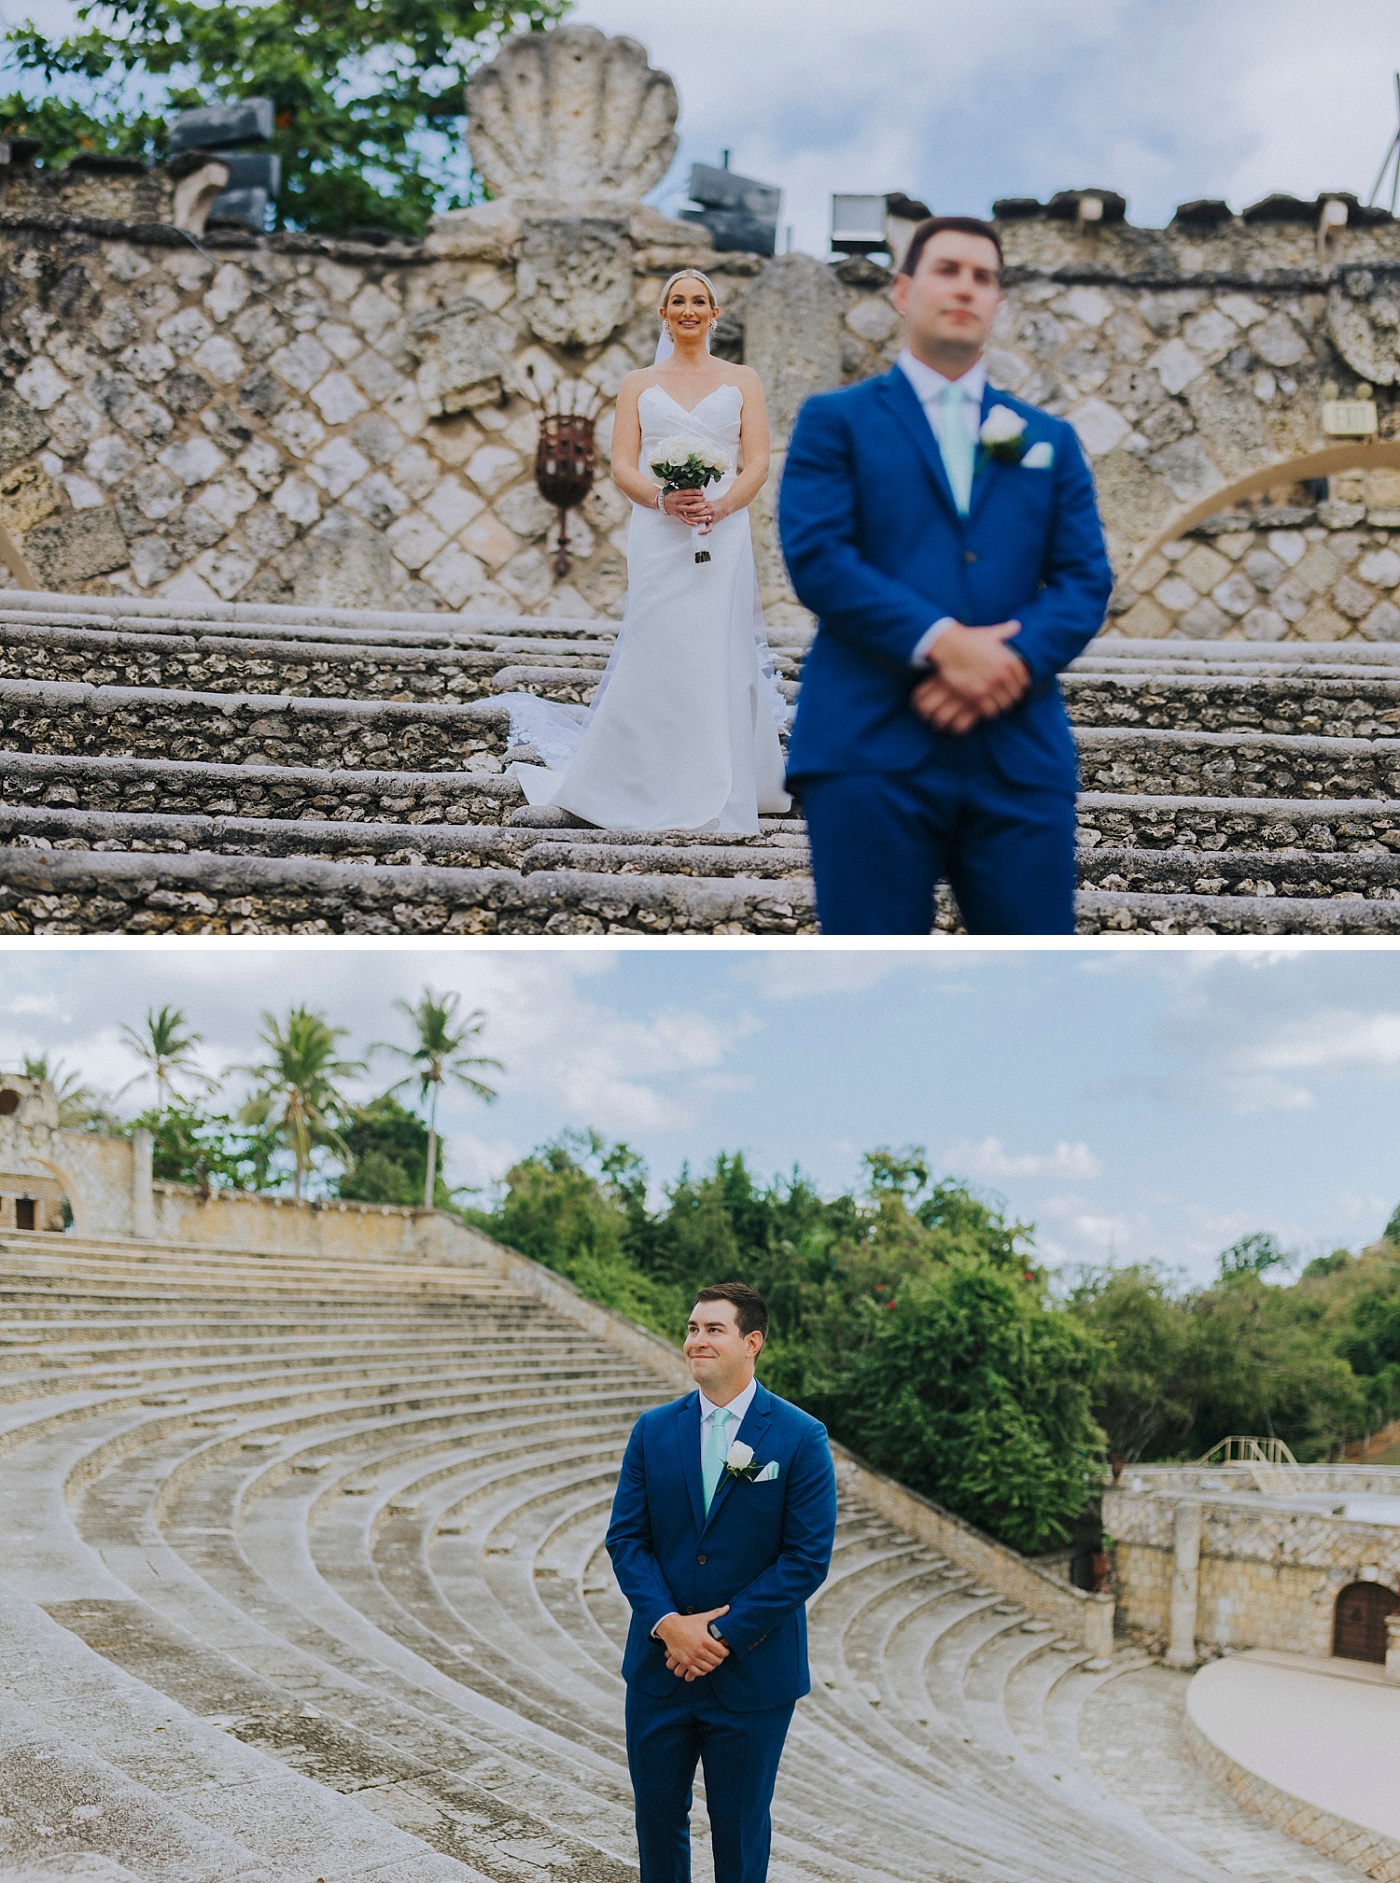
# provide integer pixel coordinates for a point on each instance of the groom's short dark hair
(750, 1309)
(962, 225)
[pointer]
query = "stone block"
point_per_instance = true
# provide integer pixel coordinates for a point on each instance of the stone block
(345, 565)
(1353, 598)
(793, 321)
(22, 431)
(574, 281)
(27, 496)
(1236, 594)
(1264, 624)
(1381, 569)
(1146, 620)
(1383, 623)
(1322, 623)
(1203, 568)
(75, 548)
(464, 353)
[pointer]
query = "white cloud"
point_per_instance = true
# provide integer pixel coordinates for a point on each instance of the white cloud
(989, 1158)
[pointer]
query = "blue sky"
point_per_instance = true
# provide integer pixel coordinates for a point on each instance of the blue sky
(1130, 1104)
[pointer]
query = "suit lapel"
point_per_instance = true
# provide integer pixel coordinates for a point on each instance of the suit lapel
(688, 1441)
(985, 468)
(751, 1427)
(904, 403)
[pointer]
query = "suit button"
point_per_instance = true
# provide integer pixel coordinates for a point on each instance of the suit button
(702, 1560)
(969, 555)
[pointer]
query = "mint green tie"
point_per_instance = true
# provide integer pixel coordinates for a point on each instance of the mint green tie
(716, 1450)
(957, 444)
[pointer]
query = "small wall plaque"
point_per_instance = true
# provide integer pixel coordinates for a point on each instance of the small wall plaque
(1349, 418)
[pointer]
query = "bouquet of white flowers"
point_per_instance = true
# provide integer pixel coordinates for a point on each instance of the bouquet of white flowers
(688, 464)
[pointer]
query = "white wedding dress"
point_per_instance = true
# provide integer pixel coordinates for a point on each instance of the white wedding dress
(682, 733)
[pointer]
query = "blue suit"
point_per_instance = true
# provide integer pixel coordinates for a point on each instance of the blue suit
(763, 1549)
(877, 550)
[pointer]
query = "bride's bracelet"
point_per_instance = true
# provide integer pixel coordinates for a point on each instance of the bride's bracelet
(661, 502)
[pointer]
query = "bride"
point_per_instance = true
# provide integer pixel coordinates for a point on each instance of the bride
(682, 733)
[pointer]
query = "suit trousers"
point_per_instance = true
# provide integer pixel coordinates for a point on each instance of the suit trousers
(881, 842)
(666, 1738)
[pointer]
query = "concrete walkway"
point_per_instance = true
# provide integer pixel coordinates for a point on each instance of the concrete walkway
(1316, 1732)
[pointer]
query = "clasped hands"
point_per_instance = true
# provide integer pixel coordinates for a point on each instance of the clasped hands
(691, 1650)
(975, 677)
(694, 507)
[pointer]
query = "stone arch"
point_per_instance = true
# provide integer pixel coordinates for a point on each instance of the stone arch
(34, 1194)
(1248, 562)
(1383, 454)
(1359, 1618)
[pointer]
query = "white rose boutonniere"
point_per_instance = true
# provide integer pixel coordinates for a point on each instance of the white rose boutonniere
(738, 1461)
(1002, 436)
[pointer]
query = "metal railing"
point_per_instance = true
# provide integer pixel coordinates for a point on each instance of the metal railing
(1271, 1464)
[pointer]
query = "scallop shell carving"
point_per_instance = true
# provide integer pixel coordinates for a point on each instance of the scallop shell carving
(571, 117)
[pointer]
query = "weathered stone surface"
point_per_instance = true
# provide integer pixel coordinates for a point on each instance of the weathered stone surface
(466, 354)
(345, 566)
(571, 117)
(73, 549)
(1364, 324)
(22, 430)
(574, 281)
(793, 317)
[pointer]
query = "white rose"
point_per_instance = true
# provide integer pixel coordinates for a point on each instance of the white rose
(739, 1455)
(1001, 426)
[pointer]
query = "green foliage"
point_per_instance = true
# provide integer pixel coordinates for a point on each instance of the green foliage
(1252, 1255)
(297, 1094)
(165, 1047)
(437, 1057)
(1148, 1390)
(387, 1147)
(208, 1149)
(906, 1318)
(357, 90)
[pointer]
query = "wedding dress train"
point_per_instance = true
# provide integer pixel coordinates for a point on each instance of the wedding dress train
(682, 733)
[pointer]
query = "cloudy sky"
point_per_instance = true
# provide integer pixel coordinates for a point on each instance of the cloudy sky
(1163, 100)
(1131, 1105)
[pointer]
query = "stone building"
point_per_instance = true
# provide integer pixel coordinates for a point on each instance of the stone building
(1301, 1560)
(292, 419)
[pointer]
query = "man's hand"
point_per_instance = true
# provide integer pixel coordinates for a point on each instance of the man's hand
(691, 1650)
(976, 677)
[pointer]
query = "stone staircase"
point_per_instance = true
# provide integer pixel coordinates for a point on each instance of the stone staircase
(303, 1578)
(189, 768)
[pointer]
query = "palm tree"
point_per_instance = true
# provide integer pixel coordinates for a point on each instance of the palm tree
(165, 1048)
(298, 1085)
(439, 1056)
(78, 1105)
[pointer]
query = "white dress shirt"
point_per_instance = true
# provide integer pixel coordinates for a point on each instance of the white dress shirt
(929, 386)
(737, 1410)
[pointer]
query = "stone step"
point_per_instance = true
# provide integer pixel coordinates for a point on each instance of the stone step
(1237, 764)
(61, 892)
(165, 786)
(1111, 648)
(1316, 706)
(1115, 912)
(63, 718)
(1357, 827)
(1297, 875)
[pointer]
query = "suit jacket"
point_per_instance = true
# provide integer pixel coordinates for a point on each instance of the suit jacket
(763, 1548)
(876, 549)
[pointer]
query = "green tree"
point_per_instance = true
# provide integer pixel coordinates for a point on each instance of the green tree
(1252, 1255)
(209, 1150)
(165, 1047)
(297, 1091)
(361, 94)
(1148, 1385)
(438, 1056)
(388, 1148)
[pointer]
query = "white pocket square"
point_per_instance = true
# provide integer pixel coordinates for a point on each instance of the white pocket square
(1039, 458)
(768, 1473)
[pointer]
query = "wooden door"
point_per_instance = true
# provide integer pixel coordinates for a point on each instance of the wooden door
(1358, 1632)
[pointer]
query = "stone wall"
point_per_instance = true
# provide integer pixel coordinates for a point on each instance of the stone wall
(297, 420)
(1269, 1575)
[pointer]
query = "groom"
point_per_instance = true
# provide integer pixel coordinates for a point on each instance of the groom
(722, 1527)
(947, 539)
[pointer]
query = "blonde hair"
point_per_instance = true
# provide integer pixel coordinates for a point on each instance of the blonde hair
(689, 274)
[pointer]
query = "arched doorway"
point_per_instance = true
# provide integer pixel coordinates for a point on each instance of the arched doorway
(1358, 1626)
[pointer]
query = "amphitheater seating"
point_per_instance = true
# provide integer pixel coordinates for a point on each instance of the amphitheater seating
(303, 1578)
(189, 768)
